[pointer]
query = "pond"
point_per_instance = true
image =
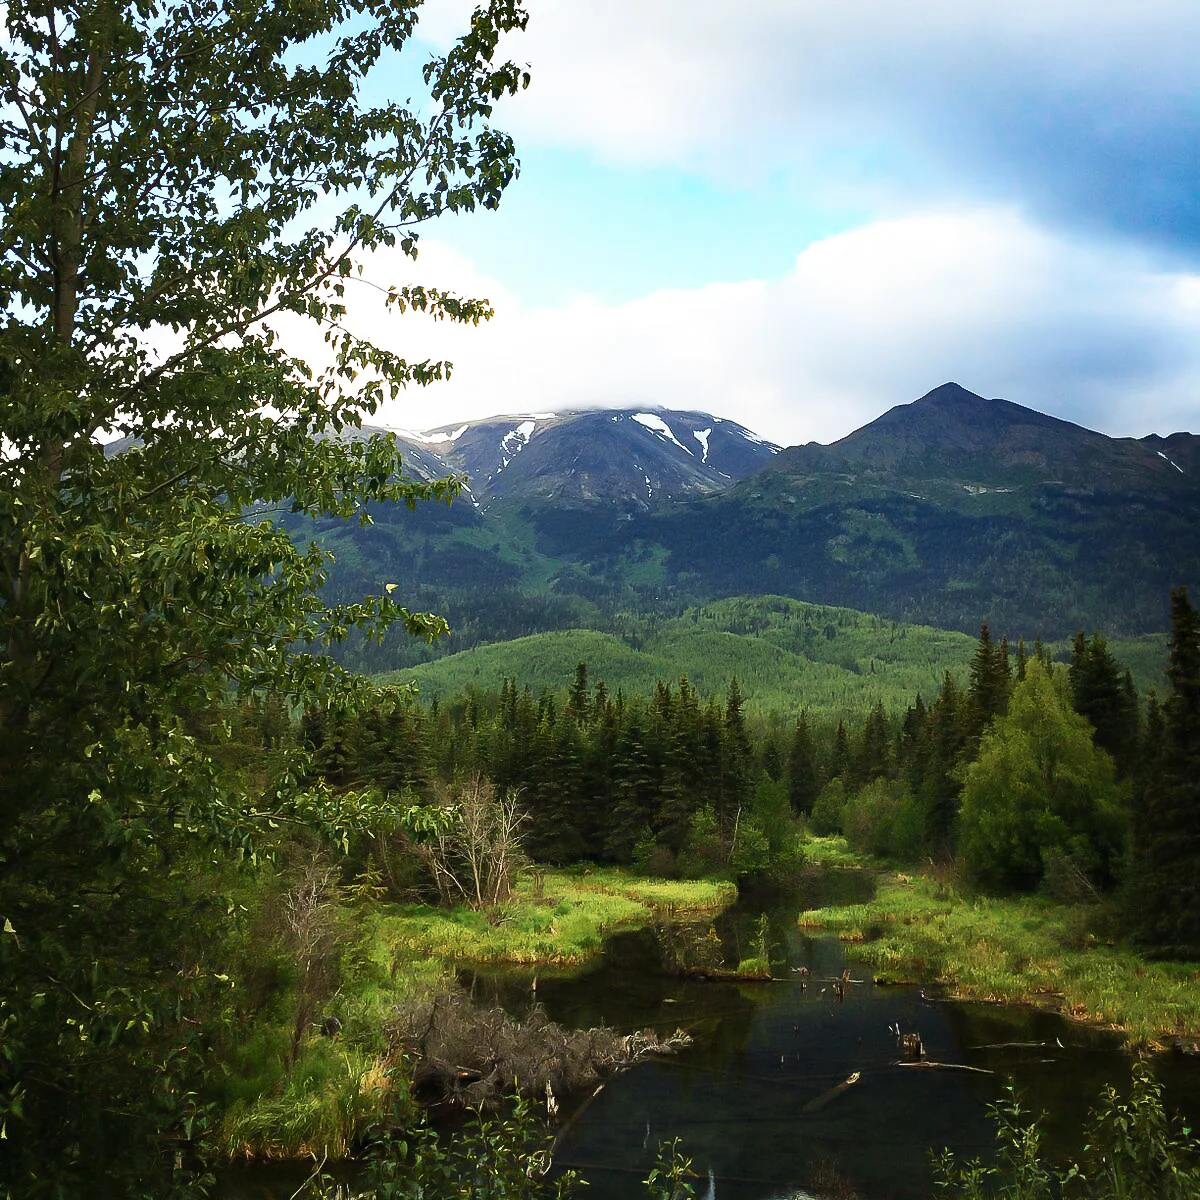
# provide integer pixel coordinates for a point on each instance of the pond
(753, 1099)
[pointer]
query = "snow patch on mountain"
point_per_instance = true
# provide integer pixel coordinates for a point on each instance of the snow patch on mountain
(702, 435)
(434, 438)
(1167, 460)
(514, 441)
(659, 426)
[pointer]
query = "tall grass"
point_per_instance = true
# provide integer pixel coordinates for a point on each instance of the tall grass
(558, 919)
(325, 1102)
(1016, 950)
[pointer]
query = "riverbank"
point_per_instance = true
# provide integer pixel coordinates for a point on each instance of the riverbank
(1026, 950)
(554, 918)
(314, 1096)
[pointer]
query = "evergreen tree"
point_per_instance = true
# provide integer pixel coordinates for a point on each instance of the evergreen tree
(771, 761)
(941, 786)
(579, 699)
(1022, 660)
(987, 694)
(1103, 693)
(1166, 885)
(873, 759)
(839, 758)
(737, 776)
(393, 747)
(803, 775)
(634, 786)
(912, 747)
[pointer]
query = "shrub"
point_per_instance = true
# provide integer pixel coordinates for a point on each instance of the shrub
(826, 817)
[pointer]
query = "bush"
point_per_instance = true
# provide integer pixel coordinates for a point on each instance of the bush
(826, 817)
(704, 851)
(883, 819)
(1134, 1152)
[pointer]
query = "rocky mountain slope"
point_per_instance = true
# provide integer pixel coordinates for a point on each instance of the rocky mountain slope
(631, 458)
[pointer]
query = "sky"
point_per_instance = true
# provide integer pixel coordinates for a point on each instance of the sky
(797, 215)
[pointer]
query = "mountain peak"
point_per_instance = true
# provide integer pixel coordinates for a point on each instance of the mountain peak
(972, 443)
(950, 394)
(627, 457)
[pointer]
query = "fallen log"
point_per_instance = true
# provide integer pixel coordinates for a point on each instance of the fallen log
(824, 1098)
(1012, 1046)
(940, 1066)
(724, 975)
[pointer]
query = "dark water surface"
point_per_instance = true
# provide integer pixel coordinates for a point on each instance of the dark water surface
(747, 1097)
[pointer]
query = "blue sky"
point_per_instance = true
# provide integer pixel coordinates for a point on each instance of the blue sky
(797, 215)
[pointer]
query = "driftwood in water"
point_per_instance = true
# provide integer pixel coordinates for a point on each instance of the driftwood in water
(472, 1056)
(573, 1118)
(824, 1098)
(1012, 1046)
(925, 1064)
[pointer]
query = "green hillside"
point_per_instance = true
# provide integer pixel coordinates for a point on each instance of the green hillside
(786, 655)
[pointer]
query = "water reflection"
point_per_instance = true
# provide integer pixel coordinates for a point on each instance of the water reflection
(758, 1100)
(761, 1100)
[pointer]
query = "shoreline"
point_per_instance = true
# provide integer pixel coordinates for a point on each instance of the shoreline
(1025, 951)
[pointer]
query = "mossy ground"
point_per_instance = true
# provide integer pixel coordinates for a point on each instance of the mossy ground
(1024, 950)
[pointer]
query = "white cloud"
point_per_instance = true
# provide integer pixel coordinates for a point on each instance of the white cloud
(864, 320)
(661, 80)
(1085, 109)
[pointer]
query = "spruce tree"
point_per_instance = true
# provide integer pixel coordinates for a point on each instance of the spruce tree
(1103, 693)
(839, 759)
(737, 777)
(873, 759)
(579, 698)
(941, 787)
(987, 695)
(803, 775)
(1166, 883)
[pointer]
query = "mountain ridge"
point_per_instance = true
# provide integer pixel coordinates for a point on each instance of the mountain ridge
(948, 511)
(634, 457)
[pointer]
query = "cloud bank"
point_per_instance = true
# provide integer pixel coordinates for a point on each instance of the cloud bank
(864, 320)
(1083, 112)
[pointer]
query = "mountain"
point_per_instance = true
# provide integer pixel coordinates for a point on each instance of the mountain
(951, 510)
(629, 459)
(544, 491)
(947, 511)
(956, 445)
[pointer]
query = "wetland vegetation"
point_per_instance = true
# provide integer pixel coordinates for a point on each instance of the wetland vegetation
(928, 928)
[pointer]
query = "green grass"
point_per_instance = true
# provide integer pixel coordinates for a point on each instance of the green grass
(1016, 951)
(321, 1105)
(830, 852)
(558, 919)
(317, 1110)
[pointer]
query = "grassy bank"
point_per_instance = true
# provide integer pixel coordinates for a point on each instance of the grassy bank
(1026, 950)
(558, 918)
(318, 1098)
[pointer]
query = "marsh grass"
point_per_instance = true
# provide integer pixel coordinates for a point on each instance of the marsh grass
(1027, 950)
(830, 852)
(396, 957)
(318, 1109)
(559, 922)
